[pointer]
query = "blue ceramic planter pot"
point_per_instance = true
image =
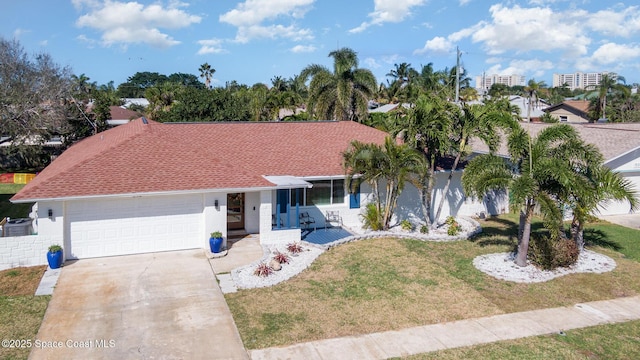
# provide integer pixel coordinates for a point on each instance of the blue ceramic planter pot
(215, 244)
(54, 259)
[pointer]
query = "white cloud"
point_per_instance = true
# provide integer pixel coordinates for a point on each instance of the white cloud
(611, 23)
(245, 34)
(371, 63)
(134, 23)
(255, 19)
(211, 46)
(389, 11)
(533, 67)
(436, 45)
(303, 49)
(531, 29)
(17, 33)
(464, 2)
(611, 53)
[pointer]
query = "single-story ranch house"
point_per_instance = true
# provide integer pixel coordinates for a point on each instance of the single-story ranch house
(147, 186)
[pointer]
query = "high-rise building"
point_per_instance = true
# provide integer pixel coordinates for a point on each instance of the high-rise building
(578, 80)
(484, 82)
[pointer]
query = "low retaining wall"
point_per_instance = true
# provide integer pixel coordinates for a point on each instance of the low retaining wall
(19, 251)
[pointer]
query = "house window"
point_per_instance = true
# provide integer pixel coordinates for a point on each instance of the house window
(323, 192)
(563, 118)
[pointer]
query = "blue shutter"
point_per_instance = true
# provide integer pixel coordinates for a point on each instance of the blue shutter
(354, 198)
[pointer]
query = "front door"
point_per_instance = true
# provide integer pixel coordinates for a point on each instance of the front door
(235, 211)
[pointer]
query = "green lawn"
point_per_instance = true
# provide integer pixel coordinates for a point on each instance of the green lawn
(7, 209)
(21, 312)
(386, 284)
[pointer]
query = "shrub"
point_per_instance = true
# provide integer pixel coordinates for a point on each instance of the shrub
(406, 225)
(294, 248)
(54, 248)
(282, 258)
(548, 118)
(549, 252)
(371, 218)
(454, 227)
(263, 270)
(424, 229)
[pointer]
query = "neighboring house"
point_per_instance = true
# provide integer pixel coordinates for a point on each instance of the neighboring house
(121, 115)
(537, 107)
(619, 144)
(388, 108)
(147, 186)
(570, 111)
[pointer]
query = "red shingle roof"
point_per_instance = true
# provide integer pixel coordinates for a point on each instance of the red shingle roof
(612, 139)
(155, 157)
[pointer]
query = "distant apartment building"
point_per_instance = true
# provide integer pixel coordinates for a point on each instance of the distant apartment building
(578, 80)
(484, 82)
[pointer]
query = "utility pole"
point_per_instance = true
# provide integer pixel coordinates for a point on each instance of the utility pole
(457, 75)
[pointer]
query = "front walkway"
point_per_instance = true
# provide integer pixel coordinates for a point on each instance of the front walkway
(468, 332)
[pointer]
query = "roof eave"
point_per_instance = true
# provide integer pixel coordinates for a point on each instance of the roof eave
(145, 194)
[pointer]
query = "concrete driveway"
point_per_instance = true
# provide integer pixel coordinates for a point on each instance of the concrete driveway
(628, 220)
(151, 306)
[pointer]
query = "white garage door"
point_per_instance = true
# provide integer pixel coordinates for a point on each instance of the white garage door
(135, 225)
(621, 207)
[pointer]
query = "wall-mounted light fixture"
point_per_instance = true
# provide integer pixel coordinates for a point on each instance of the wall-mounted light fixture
(50, 213)
(216, 204)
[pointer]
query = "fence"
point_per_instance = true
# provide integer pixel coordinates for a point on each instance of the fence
(16, 178)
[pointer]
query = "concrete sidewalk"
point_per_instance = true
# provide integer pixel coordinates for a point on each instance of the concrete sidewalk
(469, 332)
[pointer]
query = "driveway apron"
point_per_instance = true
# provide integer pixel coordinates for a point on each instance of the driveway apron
(150, 306)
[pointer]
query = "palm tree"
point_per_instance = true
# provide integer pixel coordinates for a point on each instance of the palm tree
(401, 73)
(426, 129)
(342, 94)
(600, 185)
(161, 97)
(206, 72)
(390, 163)
(608, 83)
(541, 169)
(481, 121)
(532, 91)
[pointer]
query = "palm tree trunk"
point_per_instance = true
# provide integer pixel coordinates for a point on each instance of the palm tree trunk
(386, 217)
(523, 245)
(577, 233)
(448, 184)
(422, 192)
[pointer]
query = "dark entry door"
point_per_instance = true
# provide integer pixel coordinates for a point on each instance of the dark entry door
(235, 211)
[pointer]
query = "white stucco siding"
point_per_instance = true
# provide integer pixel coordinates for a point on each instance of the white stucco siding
(455, 204)
(621, 207)
(124, 226)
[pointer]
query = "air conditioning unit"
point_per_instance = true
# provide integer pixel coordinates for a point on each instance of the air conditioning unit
(17, 227)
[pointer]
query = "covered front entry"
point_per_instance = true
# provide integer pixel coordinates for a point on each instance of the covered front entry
(235, 211)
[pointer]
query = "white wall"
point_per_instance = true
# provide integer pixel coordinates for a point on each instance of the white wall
(24, 251)
(456, 203)
(215, 219)
(252, 212)
(267, 234)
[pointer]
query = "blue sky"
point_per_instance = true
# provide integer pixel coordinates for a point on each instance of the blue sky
(255, 40)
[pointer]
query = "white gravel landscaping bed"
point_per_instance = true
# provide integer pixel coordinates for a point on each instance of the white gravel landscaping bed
(502, 266)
